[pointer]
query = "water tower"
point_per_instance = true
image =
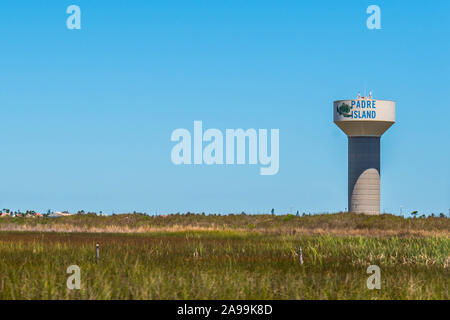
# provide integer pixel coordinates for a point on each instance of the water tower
(364, 120)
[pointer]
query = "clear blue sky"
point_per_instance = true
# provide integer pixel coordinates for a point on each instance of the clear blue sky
(86, 115)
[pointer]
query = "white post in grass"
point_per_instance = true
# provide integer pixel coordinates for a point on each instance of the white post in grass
(97, 252)
(300, 256)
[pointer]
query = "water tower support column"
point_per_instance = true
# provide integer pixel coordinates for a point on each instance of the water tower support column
(364, 174)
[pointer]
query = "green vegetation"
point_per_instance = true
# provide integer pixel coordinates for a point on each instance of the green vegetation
(227, 257)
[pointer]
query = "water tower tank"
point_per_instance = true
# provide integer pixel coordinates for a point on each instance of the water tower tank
(364, 120)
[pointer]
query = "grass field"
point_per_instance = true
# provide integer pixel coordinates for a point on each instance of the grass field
(238, 257)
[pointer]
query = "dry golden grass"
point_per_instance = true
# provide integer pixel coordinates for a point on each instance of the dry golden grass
(185, 228)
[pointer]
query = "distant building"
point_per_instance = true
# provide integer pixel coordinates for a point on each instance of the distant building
(58, 214)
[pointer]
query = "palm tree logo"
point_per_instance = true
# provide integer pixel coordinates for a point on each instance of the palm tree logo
(344, 110)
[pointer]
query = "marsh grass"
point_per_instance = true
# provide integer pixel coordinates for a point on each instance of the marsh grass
(221, 265)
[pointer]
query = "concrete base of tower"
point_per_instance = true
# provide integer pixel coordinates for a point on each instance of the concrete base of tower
(364, 175)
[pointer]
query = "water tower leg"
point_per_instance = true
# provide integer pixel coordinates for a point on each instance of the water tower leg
(364, 175)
